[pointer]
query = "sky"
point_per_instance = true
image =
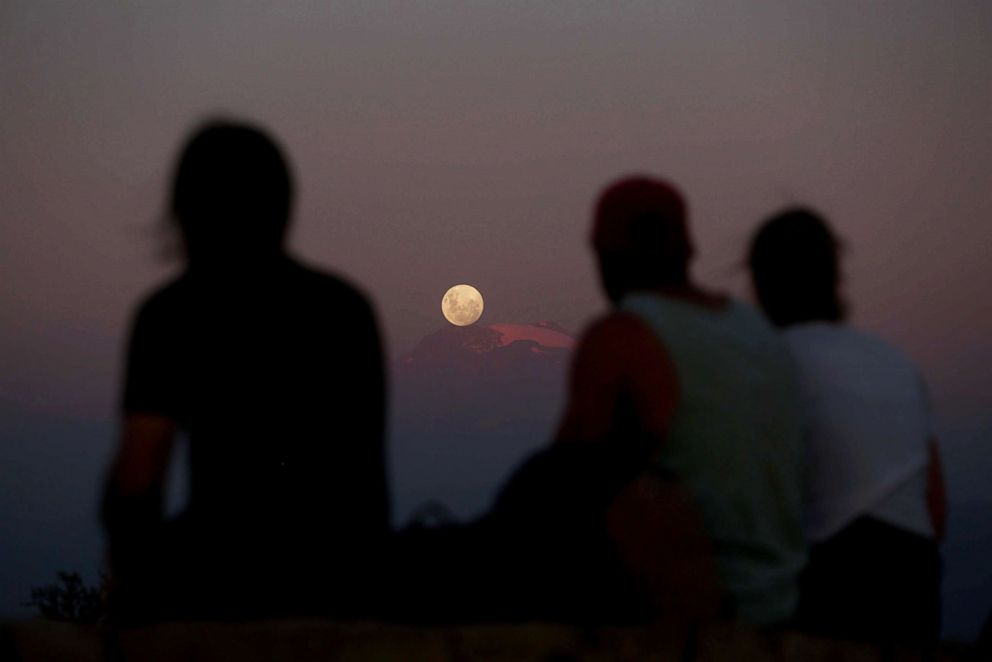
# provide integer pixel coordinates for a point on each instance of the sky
(437, 143)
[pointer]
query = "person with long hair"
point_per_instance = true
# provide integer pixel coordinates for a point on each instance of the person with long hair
(273, 372)
(874, 499)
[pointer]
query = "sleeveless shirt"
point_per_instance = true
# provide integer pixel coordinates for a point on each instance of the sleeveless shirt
(734, 443)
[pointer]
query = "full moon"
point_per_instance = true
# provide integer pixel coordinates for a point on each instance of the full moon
(462, 305)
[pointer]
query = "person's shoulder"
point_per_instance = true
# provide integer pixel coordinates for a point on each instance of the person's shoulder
(618, 332)
(735, 306)
(757, 326)
(851, 338)
(327, 283)
(615, 325)
(164, 298)
(837, 341)
(882, 347)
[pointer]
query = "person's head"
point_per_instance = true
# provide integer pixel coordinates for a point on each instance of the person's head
(640, 236)
(231, 195)
(794, 268)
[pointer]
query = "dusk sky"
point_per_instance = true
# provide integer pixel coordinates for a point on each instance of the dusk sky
(438, 143)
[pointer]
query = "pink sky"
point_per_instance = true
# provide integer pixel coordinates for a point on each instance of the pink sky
(448, 143)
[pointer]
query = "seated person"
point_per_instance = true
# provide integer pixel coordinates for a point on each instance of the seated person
(700, 386)
(874, 501)
(274, 373)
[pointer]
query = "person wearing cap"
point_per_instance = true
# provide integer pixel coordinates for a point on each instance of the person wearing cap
(874, 503)
(702, 391)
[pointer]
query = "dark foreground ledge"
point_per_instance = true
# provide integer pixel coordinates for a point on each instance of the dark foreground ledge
(306, 641)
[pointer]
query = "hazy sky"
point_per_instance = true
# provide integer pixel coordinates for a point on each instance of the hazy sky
(437, 143)
(449, 142)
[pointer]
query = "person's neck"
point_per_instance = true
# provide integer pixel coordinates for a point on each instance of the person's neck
(241, 267)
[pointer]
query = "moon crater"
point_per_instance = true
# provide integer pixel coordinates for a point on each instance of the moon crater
(462, 305)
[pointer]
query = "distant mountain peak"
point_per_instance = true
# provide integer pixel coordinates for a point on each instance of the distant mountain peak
(542, 337)
(546, 334)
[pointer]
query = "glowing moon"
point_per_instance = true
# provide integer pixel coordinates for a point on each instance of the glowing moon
(462, 305)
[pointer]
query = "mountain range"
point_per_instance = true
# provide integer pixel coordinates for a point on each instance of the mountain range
(469, 404)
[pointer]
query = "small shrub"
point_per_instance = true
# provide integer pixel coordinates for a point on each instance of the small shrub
(68, 600)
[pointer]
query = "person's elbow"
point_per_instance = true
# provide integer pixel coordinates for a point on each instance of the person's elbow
(132, 492)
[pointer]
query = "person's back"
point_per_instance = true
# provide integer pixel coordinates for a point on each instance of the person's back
(874, 503)
(868, 425)
(276, 378)
(274, 373)
(734, 443)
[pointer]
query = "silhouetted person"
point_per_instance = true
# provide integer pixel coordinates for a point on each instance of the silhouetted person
(699, 387)
(542, 553)
(874, 499)
(274, 373)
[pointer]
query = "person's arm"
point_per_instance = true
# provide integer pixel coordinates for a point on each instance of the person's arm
(143, 455)
(132, 496)
(936, 491)
(135, 484)
(619, 358)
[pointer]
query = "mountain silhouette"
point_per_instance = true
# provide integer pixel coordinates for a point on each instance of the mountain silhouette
(469, 403)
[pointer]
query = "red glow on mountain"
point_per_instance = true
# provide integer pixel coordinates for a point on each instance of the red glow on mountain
(546, 334)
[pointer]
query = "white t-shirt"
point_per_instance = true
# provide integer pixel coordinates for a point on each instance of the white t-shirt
(867, 425)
